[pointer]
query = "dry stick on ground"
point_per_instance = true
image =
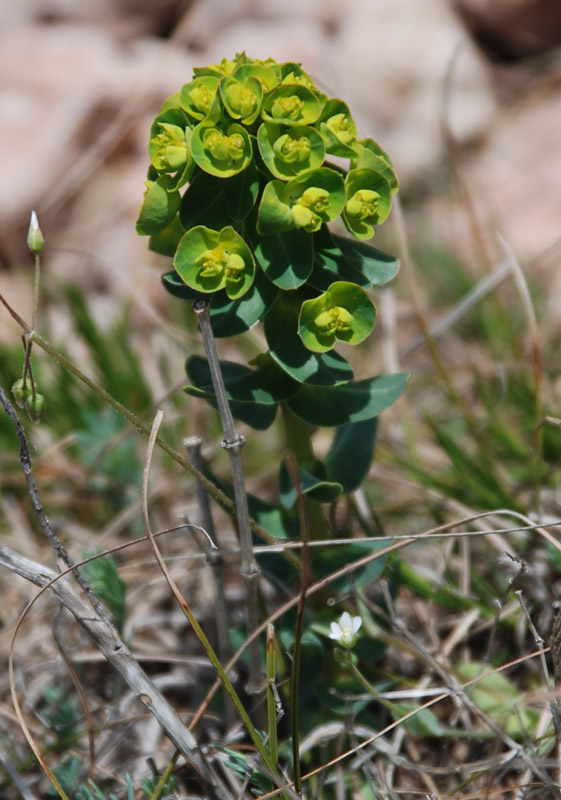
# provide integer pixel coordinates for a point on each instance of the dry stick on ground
(118, 655)
(99, 627)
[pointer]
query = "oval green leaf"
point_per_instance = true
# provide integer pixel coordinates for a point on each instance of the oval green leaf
(159, 207)
(350, 455)
(314, 487)
(331, 265)
(378, 267)
(351, 402)
(287, 260)
(231, 317)
(204, 203)
(275, 213)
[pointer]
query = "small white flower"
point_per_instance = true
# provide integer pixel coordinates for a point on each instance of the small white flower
(345, 631)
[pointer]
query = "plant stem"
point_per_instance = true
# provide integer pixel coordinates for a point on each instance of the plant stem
(233, 443)
(271, 699)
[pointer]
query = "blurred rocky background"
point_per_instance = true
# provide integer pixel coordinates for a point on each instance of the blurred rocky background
(464, 95)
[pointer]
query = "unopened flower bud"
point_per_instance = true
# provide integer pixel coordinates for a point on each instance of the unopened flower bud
(36, 406)
(35, 240)
(21, 391)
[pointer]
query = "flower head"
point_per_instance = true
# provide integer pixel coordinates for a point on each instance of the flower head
(345, 631)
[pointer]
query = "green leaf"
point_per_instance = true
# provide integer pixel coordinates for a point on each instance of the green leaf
(351, 402)
(204, 203)
(289, 151)
(159, 207)
(266, 385)
(338, 129)
(281, 332)
(240, 192)
(368, 201)
(310, 485)
(351, 453)
(287, 260)
(331, 265)
(230, 317)
(221, 149)
(376, 266)
(258, 415)
(178, 288)
(343, 312)
(369, 154)
(210, 260)
(275, 213)
(291, 104)
(165, 241)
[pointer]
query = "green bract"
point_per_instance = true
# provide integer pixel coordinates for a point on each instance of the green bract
(221, 150)
(291, 104)
(289, 151)
(343, 312)
(305, 203)
(198, 96)
(266, 74)
(370, 154)
(368, 201)
(209, 260)
(338, 129)
(242, 99)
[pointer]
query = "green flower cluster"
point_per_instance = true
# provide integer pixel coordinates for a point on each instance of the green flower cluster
(240, 191)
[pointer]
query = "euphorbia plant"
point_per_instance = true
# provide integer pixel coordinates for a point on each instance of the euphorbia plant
(240, 193)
